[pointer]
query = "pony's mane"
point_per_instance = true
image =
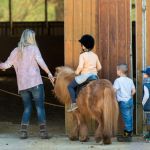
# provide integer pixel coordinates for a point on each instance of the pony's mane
(64, 75)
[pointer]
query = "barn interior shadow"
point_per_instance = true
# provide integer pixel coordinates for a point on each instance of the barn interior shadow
(51, 43)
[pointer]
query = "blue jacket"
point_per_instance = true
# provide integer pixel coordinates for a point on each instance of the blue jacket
(146, 82)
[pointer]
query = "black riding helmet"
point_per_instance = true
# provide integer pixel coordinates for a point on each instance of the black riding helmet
(87, 41)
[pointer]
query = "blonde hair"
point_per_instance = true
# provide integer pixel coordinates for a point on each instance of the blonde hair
(27, 38)
(123, 68)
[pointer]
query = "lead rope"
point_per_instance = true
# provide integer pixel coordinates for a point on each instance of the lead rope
(49, 79)
(10, 93)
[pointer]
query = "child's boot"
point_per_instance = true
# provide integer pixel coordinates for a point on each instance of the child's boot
(43, 132)
(147, 136)
(23, 131)
(72, 107)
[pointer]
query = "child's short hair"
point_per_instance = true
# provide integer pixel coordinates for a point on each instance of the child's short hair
(147, 71)
(123, 68)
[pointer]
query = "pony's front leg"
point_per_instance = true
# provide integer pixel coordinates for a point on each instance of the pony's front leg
(83, 131)
(74, 134)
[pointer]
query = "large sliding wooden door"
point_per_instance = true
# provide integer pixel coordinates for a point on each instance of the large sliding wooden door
(109, 22)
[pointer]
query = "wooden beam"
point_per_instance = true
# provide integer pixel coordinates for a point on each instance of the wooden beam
(10, 16)
(139, 110)
(46, 14)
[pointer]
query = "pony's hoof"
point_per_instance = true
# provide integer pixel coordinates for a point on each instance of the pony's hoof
(73, 138)
(98, 139)
(107, 141)
(84, 139)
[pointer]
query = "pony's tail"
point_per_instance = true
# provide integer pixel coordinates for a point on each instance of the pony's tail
(110, 112)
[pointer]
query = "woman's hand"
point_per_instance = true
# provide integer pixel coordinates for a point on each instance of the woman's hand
(50, 76)
(1, 67)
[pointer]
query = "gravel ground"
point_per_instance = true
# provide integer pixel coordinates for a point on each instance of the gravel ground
(9, 140)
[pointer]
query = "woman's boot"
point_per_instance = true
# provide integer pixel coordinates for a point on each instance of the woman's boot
(23, 131)
(43, 132)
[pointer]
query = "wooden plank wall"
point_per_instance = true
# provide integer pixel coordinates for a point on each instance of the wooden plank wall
(114, 38)
(114, 35)
(80, 18)
(109, 22)
(148, 32)
(139, 57)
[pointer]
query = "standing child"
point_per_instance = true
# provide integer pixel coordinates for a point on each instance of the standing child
(89, 65)
(146, 100)
(125, 89)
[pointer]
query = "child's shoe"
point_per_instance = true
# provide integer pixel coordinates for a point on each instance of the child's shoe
(146, 136)
(72, 107)
(126, 137)
(147, 140)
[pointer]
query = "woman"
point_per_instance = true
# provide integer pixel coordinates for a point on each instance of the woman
(26, 59)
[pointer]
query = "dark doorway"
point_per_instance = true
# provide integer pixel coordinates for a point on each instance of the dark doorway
(50, 40)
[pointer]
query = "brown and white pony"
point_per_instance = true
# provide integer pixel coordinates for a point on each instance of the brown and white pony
(96, 100)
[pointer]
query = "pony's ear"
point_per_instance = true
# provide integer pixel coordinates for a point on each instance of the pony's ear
(57, 69)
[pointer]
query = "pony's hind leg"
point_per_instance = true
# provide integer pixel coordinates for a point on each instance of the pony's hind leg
(107, 139)
(83, 132)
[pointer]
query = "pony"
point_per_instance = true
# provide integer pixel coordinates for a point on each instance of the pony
(96, 100)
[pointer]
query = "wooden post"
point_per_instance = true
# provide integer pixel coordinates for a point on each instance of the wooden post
(46, 16)
(139, 110)
(10, 16)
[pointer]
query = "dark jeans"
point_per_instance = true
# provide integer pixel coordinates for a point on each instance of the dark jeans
(72, 92)
(148, 119)
(37, 95)
(126, 109)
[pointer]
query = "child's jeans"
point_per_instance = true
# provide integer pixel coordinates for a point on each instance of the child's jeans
(37, 95)
(126, 108)
(72, 92)
(74, 84)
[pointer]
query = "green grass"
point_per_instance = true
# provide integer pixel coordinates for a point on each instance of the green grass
(29, 10)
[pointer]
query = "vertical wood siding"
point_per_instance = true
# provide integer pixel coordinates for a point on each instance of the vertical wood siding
(139, 57)
(114, 35)
(80, 18)
(114, 38)
(109, 22)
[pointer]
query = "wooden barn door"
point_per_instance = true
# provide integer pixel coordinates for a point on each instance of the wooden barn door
(113, 37)
(109, 22)
(143, 52)
(80, 18)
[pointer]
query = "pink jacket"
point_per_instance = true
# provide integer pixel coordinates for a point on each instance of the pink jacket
(27, 67)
